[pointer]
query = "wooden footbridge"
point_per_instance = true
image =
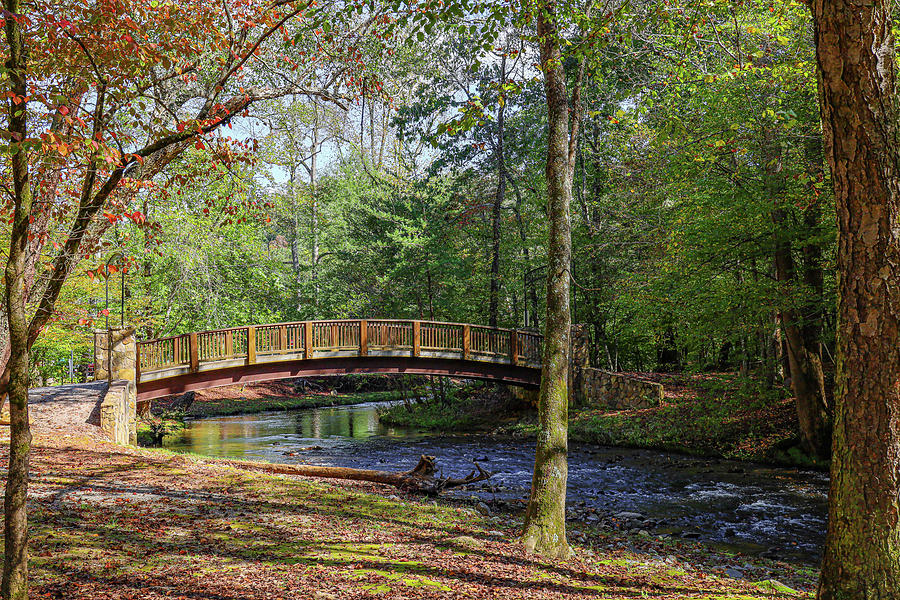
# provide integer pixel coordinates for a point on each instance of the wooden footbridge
(206, 359)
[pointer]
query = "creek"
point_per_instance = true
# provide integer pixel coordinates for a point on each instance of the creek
(745, 507)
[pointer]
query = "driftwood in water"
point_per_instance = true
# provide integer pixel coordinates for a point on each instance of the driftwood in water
(421, 479)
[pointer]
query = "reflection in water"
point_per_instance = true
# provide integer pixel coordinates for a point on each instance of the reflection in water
(255, 435)
(750, 507)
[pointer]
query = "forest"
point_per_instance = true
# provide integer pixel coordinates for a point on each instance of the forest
(709, 187)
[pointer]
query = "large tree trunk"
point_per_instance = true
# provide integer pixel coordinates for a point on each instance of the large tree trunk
(855, 53)
(545, 518)
(15, 555)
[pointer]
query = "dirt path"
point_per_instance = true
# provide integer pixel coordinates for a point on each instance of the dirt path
(68, 409)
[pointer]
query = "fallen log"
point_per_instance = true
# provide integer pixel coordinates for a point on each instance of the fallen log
(420, 480)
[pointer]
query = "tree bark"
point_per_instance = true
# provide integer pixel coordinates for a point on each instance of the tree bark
(855, 54)
(545, 518)
(15, 556)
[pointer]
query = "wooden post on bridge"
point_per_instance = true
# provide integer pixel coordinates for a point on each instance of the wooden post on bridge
(195, 353)
(514, 347)
(363, 337)
(308, 340)
(282, 338)
(229, 344)
(417, 338)
(251, 345)
(467, 342)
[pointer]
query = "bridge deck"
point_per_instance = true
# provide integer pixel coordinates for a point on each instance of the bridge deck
(255, 353)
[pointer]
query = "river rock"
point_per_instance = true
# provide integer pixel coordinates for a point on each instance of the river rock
(483, 508)
(734, 573)
(465, 541)
(625, 515)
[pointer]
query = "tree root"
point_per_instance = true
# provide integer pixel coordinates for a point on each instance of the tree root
(420, 480)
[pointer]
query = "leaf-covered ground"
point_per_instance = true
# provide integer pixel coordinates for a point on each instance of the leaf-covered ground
(113, 522)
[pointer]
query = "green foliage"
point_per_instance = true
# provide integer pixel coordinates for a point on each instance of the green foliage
(154, 427)
(215, 260)
(699, 122)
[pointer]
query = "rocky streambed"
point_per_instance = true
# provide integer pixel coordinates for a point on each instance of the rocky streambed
(753, 509)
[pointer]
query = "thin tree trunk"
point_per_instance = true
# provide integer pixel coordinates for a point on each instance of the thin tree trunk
(498, 205)
(807, 375)
(804, 359)
(855, 54)
(530, 291)
(545, 518)
(15, 555)
(314, 196)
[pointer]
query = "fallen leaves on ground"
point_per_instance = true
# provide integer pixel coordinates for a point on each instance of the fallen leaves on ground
(113, 522)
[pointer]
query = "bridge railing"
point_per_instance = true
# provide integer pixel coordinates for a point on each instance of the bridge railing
(301, 340)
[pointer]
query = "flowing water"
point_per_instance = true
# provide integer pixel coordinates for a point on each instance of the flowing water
(748, 507)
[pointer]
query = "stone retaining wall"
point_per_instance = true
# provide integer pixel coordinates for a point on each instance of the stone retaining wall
(118, 417)
(117, 360)
(615, 391)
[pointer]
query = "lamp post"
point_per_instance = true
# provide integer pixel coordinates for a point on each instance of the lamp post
(121, 264)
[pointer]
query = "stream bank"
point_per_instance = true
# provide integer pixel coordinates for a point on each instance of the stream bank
(714, 415)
